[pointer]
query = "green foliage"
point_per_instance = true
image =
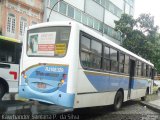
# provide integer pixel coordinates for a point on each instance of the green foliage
(140, 36)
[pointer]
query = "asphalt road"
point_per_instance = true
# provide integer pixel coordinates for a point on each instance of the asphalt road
(131, 110)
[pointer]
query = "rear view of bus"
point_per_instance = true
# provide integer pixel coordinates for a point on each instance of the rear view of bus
(45, 64)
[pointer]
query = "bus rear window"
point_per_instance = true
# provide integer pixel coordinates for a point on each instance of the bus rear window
(48, 41)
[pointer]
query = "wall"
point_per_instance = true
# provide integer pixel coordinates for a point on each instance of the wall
(21, 9)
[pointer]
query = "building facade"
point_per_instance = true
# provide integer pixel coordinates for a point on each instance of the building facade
(96, 14)
(16, 15)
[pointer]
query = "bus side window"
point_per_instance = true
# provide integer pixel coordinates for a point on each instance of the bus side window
(106, 60)
(121, 62)
(96, 55)
(139, 68)
(147, 69)
(114, 60)
(126, 65)
(85, 51)
(9, 59)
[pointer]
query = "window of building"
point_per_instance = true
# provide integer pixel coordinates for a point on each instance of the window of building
(63, 8)
(70, 12)
(52, 3)
(96, 25)
(11, 23)
(107, 4)
(110, 31)
(84, 19)
(90, 21)
(101, 27)
(111, 8)
(105, 29)
(23, 25)
(98, 1)
(103, 2)
(78, 15)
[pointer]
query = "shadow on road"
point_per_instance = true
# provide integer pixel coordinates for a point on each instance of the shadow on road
(97, 112)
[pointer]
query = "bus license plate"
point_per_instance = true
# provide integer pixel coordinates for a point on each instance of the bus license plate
(41, 85)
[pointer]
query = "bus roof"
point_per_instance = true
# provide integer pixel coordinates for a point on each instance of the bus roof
(9, 39)
(93, 33)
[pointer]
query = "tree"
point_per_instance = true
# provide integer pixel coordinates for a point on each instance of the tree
(140, 36)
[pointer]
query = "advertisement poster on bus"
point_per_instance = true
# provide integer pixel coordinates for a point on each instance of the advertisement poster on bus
(42, 43)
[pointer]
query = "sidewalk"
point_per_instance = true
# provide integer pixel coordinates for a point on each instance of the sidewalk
(152, 102)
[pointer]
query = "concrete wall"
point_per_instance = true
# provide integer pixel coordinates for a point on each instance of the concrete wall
(94, 9)
(109, 18)
(118, 3)
(77, 3)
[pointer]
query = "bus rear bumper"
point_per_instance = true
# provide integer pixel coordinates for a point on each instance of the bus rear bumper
(57, 97)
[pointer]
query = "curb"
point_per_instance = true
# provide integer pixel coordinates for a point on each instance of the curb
(151, 106)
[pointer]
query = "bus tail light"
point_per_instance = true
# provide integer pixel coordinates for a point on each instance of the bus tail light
(62, 81)
(64, 76)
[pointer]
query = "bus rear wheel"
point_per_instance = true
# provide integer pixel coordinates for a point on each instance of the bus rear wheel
(144, 98)
(118, 100)
(2, 91)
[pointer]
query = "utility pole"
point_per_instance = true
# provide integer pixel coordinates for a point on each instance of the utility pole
(52, 9)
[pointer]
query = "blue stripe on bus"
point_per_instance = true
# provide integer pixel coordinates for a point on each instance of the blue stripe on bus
(107, 83)
(139, 83)
(103, 83)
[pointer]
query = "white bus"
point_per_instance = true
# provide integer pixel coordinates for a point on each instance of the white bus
(10, 50)
(68, 64)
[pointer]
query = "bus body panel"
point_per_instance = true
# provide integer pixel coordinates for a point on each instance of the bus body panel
(97, 99)
(11, 75)
(10, 50)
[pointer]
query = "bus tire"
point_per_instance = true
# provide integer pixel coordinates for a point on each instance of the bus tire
(118, 100)
(2, 91)
(145, 97)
